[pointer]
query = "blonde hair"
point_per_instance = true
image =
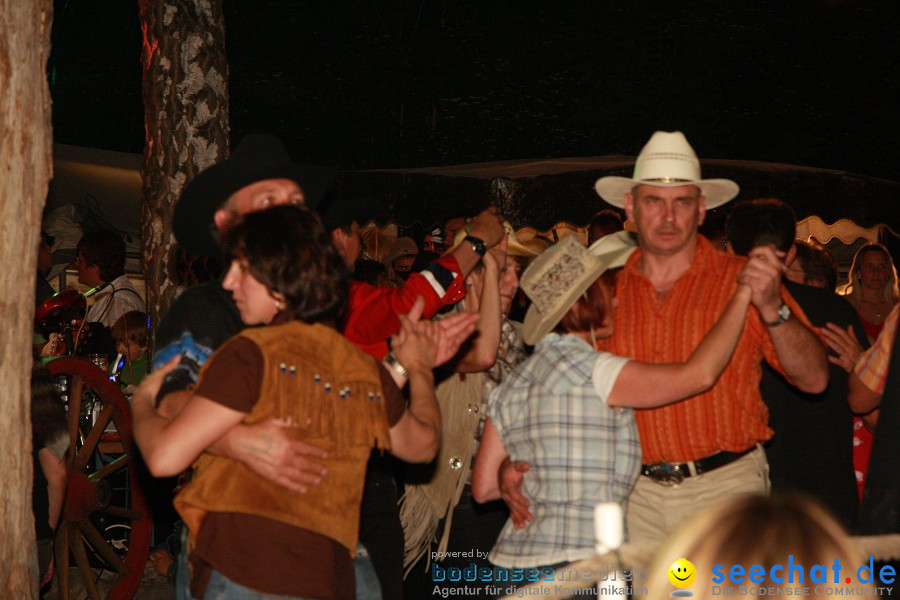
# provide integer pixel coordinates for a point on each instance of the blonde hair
(853, 292)
(759, 530)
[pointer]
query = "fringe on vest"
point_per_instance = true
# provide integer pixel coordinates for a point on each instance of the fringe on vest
(433, 491)
(332, 391)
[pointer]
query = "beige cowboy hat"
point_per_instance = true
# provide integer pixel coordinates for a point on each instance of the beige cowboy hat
(554, 281)
(556, 278)
(667, 160)
(513, 247)
(536, 245)
(615, 248)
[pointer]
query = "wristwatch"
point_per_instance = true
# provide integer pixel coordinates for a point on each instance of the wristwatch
(784, 313)
(477, 244)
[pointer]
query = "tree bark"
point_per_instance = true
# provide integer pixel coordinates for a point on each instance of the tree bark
(25, 170)
(185, 88)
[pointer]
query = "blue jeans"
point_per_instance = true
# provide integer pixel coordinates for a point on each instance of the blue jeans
(222, 588)
(367, 585)
(182, 570)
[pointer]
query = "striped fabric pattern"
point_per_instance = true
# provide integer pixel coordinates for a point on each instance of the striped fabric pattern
(731, 416)
(872, 365)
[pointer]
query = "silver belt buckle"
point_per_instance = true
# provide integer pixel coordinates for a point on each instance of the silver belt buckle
(665, 473)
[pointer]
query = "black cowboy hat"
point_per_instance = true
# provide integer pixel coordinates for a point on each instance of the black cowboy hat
(255, 158)
(340, 210)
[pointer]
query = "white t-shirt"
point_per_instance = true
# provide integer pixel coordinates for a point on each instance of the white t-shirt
(118, 298)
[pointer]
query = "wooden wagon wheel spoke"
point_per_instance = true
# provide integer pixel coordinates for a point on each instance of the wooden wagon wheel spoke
(111, 468)
(76, 388)
(105, 508)
(62, 559)
(119, 511)
(98, 543)
(76, 544)
(90, 442)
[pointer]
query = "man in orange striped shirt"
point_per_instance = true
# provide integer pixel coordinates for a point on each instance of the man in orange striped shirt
(670, 293)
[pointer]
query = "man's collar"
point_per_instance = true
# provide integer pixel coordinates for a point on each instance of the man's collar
(703, 254)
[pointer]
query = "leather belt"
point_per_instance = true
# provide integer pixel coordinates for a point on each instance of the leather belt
(670, 474)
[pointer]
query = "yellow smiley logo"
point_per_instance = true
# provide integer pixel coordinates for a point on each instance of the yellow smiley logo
(682, 573)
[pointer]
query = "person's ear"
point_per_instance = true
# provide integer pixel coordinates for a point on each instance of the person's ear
(339, 239)
(280, 302)
(629, 206)
(222, 218)
(791, 255)
(701, 210)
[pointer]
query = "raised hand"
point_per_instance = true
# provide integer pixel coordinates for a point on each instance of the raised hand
(762, 273)
(487, 226)
(428, 344)
(844, 343)
(454, 331)
(415, 345)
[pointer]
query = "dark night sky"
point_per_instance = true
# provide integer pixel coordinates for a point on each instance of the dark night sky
(430, 82)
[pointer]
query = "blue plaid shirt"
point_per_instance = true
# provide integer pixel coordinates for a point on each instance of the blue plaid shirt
(581, 451)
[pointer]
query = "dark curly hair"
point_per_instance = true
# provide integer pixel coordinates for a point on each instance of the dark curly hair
(288, 250)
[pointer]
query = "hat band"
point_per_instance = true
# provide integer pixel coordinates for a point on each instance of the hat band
(669, 180)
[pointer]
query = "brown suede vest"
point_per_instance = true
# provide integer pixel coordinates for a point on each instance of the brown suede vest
(314, 376)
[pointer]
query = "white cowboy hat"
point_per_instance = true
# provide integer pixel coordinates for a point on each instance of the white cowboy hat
(554, 281)
(667, 160)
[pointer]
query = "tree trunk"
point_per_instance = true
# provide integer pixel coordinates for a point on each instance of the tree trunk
(25, 169)
(185, 87)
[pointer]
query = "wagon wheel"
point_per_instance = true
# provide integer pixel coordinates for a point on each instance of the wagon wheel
(97, 461)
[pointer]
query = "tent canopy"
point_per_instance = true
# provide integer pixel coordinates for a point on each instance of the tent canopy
(536, 193)
(540, 193)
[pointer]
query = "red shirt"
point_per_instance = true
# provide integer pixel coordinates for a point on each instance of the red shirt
(372, 311)
(731, 416)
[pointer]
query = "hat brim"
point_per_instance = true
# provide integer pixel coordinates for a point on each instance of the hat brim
(192, 221)
(537, 324)
(405, 249)
(716, 191)
(339, 211)
(615, 248)
(513, 247)
(517, 249)
(457, 242)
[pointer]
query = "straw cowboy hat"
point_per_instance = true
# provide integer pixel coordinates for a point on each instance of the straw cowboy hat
(537, 244)
(557, 278)
(667, 161)
(615, 248)
(257, 157)
(513, 247)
